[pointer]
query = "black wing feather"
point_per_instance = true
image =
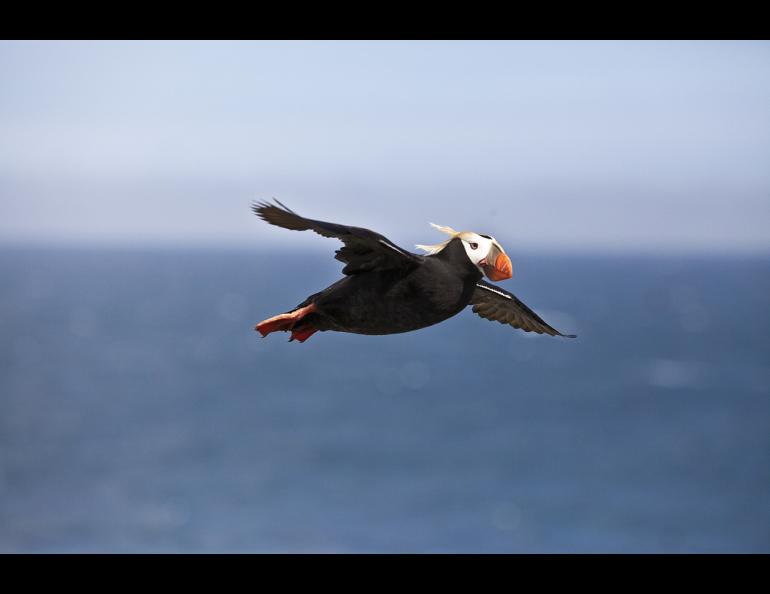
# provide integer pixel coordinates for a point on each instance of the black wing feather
(363, 250)
(493, 303)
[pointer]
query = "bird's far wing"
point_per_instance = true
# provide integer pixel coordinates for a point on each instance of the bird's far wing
(363, 249)
(493, 303)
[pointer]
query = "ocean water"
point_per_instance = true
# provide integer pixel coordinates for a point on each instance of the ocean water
(140, 412)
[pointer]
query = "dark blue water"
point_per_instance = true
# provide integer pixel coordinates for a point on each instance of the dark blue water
(139, 411)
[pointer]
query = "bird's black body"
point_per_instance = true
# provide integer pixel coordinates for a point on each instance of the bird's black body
(397, 299)
(387, 290)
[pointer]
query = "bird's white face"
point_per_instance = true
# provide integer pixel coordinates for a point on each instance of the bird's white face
(487, 255)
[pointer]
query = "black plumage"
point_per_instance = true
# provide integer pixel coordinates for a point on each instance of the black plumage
(387, 290)
(496, 304)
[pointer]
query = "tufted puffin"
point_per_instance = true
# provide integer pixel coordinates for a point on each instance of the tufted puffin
(387, 290)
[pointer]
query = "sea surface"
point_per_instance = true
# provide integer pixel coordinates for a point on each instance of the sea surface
(140, 412)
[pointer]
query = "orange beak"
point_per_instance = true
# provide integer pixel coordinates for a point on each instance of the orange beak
(501, 270)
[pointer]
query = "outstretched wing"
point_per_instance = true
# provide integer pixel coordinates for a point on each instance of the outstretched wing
(493, 303)
(363, 249)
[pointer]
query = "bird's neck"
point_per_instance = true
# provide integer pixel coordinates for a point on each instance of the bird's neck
(455, 256)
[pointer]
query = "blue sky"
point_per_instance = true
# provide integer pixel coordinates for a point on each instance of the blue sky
(610, 146)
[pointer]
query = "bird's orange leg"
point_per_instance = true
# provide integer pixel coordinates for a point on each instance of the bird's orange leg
(302, 333)
(286, 322)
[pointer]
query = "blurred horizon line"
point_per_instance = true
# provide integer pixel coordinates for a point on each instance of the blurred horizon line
(126, 244)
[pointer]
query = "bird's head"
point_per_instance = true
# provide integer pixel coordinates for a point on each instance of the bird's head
(482, 250)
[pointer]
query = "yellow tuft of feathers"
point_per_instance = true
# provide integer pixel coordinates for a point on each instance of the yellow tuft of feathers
(437, 247)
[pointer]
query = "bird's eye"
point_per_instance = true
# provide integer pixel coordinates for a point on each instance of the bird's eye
(474, 246)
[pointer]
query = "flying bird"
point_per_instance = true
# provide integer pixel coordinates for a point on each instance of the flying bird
(387, 290)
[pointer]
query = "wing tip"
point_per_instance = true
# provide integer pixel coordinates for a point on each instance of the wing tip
(263, 209)
(259, 207)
